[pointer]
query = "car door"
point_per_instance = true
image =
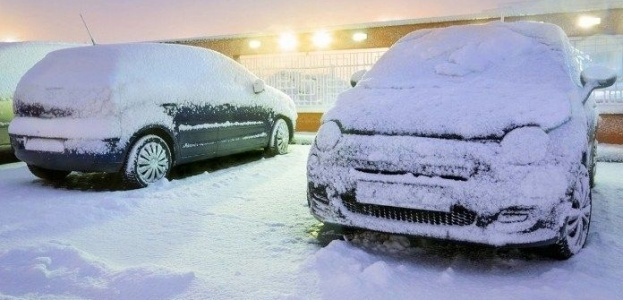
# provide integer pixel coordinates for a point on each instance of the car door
(196, 126)
(245, 120)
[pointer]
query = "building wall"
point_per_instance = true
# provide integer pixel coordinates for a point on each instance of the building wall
(610, 129)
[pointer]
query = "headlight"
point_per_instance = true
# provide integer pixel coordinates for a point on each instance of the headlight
(525, 145)
(328, 136)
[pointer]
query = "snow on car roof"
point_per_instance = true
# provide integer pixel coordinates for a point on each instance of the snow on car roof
(16, 58)
(129, 74)
(471, 81)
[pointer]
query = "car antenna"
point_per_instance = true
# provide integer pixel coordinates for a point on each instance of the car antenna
(88, 31)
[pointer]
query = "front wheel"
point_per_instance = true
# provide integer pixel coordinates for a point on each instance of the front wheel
(47, 174)
(279, 138)
(575, 229)
(148, 161)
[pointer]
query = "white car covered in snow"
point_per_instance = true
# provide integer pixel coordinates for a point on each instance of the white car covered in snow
(477, 133)
(140, 109)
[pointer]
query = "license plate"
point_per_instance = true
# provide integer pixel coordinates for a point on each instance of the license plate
(403, 195)
(44, 145)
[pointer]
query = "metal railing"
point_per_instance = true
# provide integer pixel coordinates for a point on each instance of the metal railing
(315, 79)
(610, 100)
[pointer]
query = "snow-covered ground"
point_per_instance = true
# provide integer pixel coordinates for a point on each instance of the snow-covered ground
(239, 228)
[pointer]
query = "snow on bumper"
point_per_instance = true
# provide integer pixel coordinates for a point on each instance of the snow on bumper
(437, 188)
(64, 143)
(66, 128)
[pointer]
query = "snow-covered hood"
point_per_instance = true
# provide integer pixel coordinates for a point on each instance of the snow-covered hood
(466, 81)
(449, 112)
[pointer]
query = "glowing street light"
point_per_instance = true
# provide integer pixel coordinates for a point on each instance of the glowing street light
(588, 21)
(254, 44)
(9, 39)
(288, 41)
(322, 39)
(360, 36)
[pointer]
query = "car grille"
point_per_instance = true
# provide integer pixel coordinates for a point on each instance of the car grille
(452, 160)
(458, 216)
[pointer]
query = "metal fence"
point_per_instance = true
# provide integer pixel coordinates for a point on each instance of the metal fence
(314, 79)
(610, 100)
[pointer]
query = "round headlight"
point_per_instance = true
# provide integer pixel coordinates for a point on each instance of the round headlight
(328, 136)
(525, 145)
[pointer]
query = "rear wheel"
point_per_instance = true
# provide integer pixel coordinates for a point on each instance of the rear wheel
(148, 161)
(47, 174)
(575, 229)
(279, 138)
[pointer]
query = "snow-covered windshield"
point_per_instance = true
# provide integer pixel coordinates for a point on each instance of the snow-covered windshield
(522, 52)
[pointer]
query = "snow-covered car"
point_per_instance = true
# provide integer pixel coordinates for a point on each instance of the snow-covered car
(15, 59)
(141, 109)
(477, 133)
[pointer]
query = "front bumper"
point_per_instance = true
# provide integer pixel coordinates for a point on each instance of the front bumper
(433, 188)
(459, 224)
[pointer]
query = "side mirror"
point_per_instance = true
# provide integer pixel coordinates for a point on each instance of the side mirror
(598, 77)
(258, 86)
(356, 77)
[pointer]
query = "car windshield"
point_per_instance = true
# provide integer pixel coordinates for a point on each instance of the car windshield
(527, 53)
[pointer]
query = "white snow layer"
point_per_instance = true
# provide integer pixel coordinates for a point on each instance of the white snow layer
(505, 75)
(242, 233)
(105, 79)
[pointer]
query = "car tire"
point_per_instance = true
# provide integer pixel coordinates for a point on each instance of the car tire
(47, 174)
(148, 161)
(279, 138)
(575, 230)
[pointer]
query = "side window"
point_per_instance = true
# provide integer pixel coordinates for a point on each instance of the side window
(243, 76)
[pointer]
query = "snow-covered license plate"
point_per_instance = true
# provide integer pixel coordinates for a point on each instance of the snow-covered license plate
(45, 145)
(402, 195)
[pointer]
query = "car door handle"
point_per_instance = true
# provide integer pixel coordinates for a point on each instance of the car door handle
(170, 108)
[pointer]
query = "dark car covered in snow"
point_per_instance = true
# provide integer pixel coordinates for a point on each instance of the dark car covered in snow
(477, 133)
(140, 109)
